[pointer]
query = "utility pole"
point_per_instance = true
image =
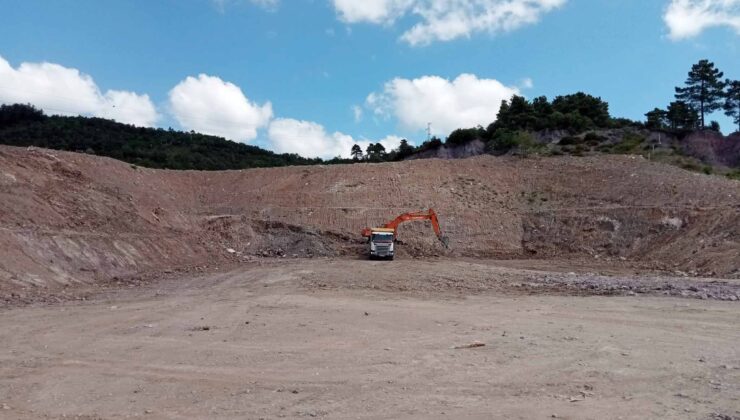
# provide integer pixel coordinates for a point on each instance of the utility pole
(429, 131)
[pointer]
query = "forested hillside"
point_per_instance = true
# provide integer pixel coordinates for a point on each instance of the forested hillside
(24, 125)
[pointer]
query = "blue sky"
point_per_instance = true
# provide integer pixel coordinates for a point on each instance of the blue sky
(312, 76)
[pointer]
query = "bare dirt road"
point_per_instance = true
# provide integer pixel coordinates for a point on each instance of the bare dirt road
(343, 339)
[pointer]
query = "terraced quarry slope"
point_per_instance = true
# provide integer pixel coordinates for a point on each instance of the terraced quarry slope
(70, 217)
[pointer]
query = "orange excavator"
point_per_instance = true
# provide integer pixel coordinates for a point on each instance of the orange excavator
(382, 239)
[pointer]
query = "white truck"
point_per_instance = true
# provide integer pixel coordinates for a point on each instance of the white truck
(382, 241)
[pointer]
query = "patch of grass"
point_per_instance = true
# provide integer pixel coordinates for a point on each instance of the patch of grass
(690, 166)
(630, 143)
(593, 139)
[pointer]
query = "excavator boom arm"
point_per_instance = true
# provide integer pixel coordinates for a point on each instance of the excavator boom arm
(408, 217)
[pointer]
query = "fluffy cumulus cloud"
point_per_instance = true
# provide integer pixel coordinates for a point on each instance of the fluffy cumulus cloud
(466, 101)
(445, 20)
(310, 139)
(688, 18)
(62, 90)
(209, 105)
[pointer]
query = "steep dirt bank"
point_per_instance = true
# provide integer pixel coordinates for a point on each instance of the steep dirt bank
(714, 148)
(70, 217)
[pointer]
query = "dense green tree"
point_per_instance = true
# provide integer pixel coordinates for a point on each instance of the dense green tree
(433, 143)
(356, 152)
(542, 112)
(574, 122)
(503, 111)
(587, 106)
(703, 90)
(681, 116)
(465, 135)
(520, 114)
(375, 152)
(515, 114)
(732, 101)
(404, 150)
(657, 119)
(380, 149)
(502, 119)
(576, 113)
(17, 114)
(714, 126)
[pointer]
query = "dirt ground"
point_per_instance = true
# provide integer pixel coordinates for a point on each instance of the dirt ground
(349, 338)
(70, 218)
(586, 288)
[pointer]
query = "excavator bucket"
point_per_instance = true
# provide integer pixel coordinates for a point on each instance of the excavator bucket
(445, 241)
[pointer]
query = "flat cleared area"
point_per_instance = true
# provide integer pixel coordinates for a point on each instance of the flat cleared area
(345, 338)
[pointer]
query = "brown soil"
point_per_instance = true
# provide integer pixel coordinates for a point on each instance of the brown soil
(339, 339)
(73, 218)
(599, 287)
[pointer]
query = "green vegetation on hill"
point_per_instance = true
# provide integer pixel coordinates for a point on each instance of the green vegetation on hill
(575, 124)
(580, 124)
(24, 125)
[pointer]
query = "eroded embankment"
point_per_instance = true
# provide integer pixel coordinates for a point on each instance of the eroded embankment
(70, 217)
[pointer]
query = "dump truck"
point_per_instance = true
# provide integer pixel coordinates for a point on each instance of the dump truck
(382, 240)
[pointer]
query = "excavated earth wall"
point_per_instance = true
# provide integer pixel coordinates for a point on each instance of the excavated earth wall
(67, 217)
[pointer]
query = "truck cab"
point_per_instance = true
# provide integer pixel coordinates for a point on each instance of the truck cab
(381, 242)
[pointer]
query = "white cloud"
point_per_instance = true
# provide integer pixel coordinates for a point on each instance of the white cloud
(688, 18)
(464, 102)
(270, 5)
(310, 139)
(357, 112)
(445, 20)
(375, 11)
(210, 105)
(62, 90)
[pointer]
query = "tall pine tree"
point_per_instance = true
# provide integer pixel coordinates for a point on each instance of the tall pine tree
(356, 152)
(656, 119)
(704, 89)
(681, 116)
(732, 101)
